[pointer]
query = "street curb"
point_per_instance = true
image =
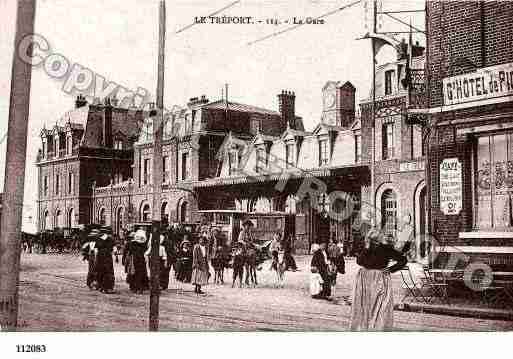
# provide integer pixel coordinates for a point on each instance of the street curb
(472, 312)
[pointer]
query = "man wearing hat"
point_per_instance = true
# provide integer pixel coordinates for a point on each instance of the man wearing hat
(246, 235)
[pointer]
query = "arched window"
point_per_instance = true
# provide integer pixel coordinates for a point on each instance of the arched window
(164, 215)
(58, 219)
(389, 212)
(103, 216)
(145, 213)
(71, 218)
(184, 212)
(290, 204)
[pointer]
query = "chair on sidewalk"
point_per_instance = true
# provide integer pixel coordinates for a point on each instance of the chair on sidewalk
(421, 286)
(413, 288)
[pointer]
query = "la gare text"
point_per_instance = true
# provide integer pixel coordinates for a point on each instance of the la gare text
(245, 20)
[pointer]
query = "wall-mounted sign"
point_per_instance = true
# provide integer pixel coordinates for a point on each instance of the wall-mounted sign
(412, 166)
(451, 186)
(492, 82)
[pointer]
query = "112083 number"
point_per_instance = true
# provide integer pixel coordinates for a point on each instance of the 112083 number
(31, 348)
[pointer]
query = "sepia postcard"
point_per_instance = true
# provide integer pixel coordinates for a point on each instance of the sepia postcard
(255, 166)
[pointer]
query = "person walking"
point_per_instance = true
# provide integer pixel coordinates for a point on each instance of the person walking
(163, 262)
(275, 248)
(373, 304)
(105, 264)
(89, 252)
(135, 265)
(184, 262)
(336, 263)
(287, 251)
(200, 272)
(320, 263)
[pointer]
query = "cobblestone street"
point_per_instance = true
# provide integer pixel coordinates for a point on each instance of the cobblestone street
(54, 297)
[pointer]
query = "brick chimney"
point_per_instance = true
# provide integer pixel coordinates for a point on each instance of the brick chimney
(287, 108)
(107, 124)
(80, 101)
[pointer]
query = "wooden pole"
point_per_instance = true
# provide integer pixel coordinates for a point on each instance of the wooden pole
(157, 177)
(14, 182)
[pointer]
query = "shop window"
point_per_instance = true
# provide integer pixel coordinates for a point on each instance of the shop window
(494, 182)
(323, 153)
(388, 140)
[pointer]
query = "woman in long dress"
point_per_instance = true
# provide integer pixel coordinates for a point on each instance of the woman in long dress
(373, 304)
(135, 264)
(200, 272)
(163, 262)
(105, 264)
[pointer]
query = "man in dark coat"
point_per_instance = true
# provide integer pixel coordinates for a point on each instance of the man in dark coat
(320, 261)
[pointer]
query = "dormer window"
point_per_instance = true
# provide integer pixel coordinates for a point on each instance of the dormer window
(290, 149)
(45, 149)
(69, 145)
(261, 160)
(358, 148)
(389, 76)
(233, 162)
(57, 145)
(323, 152)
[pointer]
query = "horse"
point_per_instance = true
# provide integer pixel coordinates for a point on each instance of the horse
(251, 259)
(281, 268)
(219, 263)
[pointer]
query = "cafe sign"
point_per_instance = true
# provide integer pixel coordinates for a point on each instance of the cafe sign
(451, 186)
(488, 83)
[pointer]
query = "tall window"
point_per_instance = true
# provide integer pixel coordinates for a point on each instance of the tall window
(193, 120)
(146, 171)
(261, 162)
(187, 124)
(358, 148)
(185, 166)
(323, 153)
(289, 155)
(45, 185)
(165, 169)
(494, 182)
(389, 212)
(255, 126)
(57, 184)
(118, 144)
(389, 76)
(388, 140)
(70, 182)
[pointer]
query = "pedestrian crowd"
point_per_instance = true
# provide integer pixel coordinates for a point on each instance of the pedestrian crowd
(192, 260)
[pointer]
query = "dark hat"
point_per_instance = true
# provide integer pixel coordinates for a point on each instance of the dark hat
(247, 222)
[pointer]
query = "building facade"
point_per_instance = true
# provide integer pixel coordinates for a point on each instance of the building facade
(91, 145)
(470, 118)
(397, 200)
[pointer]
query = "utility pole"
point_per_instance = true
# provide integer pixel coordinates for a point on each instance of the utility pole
(373, 155)
(14, 183)
(158, 120)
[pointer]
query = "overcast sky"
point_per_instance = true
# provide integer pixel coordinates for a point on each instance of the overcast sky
(118, 39)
